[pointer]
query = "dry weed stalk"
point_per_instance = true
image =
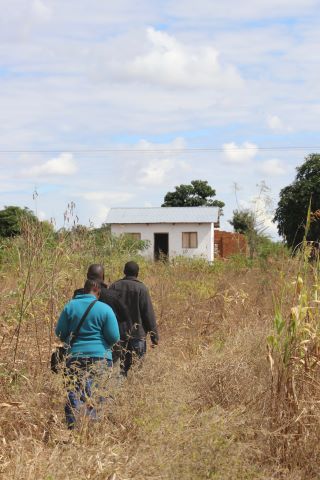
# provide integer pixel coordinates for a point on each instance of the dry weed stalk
(197, 407)
(294, 356)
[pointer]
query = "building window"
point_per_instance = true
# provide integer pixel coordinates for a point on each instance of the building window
(134, 236)
(190, 240)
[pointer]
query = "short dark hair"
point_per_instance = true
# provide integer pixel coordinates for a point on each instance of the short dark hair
(91, 285)
(131, 269)
(96, 272)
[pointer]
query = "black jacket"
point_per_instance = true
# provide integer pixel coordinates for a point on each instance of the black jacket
(113, 299)
(136, 298)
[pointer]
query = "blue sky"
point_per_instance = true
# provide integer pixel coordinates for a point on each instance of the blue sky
(147, 75)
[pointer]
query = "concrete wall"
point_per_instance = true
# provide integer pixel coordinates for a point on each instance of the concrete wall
(205, 237)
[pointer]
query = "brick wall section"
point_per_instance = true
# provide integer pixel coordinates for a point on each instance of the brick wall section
(228, 243)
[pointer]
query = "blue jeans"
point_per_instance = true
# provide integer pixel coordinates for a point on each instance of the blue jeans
(86, 380)
(135, 350)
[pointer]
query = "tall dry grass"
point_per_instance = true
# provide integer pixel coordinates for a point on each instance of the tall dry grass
(214, 401)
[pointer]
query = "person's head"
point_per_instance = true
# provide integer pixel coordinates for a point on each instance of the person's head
(131, 269)
(96, 272)
(92, 287)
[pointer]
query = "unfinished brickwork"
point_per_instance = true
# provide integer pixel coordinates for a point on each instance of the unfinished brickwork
(228, 243)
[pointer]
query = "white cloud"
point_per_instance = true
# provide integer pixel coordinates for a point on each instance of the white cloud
(158, 163)
(239, 154)
(64, 164)
(95, 204)
(262, 206)
(272, 167)
(110, 197)
(276, 124)
(264, 214)
(184, 166)
(42, 215)
(41, 9)
(155, 172)
(100, 202)
(212, 11)
(172, 63)
(99, 214)
(177, 144)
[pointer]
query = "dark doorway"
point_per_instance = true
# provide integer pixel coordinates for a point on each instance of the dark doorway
(161, 246)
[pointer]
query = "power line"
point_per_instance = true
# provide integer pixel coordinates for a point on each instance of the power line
(162, 150)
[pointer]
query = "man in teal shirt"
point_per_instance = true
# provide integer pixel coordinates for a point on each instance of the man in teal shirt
(90, 354)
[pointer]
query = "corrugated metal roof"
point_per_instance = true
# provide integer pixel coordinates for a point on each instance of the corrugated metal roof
(163, 215)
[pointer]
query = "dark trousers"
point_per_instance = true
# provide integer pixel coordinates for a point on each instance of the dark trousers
(135, 350)
(86, 380)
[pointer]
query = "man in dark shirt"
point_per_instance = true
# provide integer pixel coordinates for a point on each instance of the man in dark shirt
(136, 298)
(113, 299)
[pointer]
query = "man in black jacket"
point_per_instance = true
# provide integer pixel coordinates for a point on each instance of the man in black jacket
(113, 299)
(136, 298)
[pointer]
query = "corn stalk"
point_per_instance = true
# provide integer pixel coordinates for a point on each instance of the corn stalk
(294, 355)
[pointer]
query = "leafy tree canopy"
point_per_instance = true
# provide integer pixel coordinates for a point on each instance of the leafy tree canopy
(11, 219)
(198, 193)
(243, 221)
(292, 210)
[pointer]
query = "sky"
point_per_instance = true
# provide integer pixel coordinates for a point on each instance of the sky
(113, 104)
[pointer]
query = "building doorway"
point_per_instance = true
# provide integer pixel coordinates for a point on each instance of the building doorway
(161, 246)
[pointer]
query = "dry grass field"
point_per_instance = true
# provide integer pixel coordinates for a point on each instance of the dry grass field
(232, 391)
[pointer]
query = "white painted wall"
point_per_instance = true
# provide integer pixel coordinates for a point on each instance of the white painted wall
(205, 237)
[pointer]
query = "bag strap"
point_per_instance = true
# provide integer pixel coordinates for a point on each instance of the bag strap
(77, 330)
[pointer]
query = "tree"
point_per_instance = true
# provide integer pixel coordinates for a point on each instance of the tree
(11, 219)
(292, 210)
(243, 220)
(198, 193)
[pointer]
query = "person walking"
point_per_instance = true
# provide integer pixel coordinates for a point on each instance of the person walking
(136, 297)
(113, 299)
(89, 357)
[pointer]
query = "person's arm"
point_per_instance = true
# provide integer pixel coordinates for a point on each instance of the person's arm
(148, 316)
(62, 327)
(110, 328)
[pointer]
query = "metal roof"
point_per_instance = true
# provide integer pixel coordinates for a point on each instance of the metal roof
(163, 215)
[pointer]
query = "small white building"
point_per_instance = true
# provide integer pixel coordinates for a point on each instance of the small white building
(170, 231)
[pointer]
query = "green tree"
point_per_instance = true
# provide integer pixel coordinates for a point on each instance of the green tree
(11, 219)
(291, 213)
(243, 220)
(198, 193)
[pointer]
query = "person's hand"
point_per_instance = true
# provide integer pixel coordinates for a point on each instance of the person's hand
(154, 343)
